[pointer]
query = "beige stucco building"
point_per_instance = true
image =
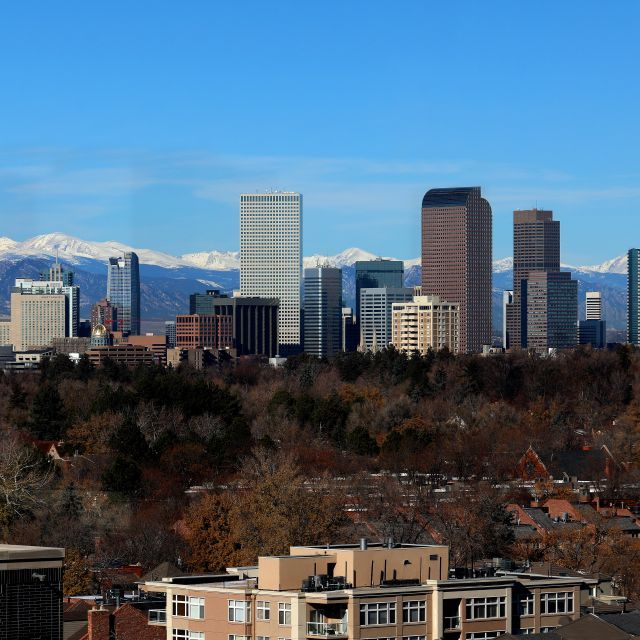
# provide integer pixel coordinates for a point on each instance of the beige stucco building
(362, 592)
(426, 323)
(36, 319)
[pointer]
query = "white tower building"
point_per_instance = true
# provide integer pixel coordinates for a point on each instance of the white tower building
(594, 305)
(271, 256)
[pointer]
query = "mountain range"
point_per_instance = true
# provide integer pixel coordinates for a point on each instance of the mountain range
(167, 280)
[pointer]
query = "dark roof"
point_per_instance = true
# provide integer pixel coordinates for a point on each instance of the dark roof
(453, 197)
(584, 465)
(540, 517)
(525, 532)
(629, 622)
(163, 570)
(624, 523)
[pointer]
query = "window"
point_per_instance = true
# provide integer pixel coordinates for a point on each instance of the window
(483, 635)
(373, 613)
(560, 602)
(482, 608)
(547, 629)
(263, 610)
(239, 611)
(413, 611)
(525, 605)
(184, 634)
(233, 636)
(284, 613)
(188, 607)
(263, 638)
(413, 638)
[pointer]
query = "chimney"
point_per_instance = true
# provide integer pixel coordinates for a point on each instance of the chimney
(364, 544)
(99, 623)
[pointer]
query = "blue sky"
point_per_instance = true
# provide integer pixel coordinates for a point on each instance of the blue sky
(143, 121)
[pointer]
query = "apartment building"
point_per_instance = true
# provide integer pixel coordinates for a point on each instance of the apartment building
(426, 323)
(363, 592)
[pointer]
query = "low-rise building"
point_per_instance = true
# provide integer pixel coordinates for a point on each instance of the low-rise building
(130, 355)
(355, 592)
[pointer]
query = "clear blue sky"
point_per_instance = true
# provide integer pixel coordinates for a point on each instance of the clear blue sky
(143, 121)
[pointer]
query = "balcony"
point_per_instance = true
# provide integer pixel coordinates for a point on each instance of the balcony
(158, 616)
(452, 623)
(327, 629)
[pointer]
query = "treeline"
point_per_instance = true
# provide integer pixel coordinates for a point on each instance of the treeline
(136, 440)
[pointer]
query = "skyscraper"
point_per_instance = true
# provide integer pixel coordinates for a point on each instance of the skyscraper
(633, 296)
(373, 274)
(456, 258)
(376, 312)
(123, 291)
(536, 247)
(551, 302)
(271, 257)
(593, 305)
(322, 311)
(170, 333)
(507, 302)
(106, 314)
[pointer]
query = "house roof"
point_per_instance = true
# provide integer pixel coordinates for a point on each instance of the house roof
(628, 622)
(163, 570)
(584, 465)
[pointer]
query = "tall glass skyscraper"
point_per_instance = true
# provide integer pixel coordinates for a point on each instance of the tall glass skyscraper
(633, 296)
(271, 257)
(373, 274)
(322, 311)
(123, 291)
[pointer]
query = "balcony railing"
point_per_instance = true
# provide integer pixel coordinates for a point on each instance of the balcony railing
(327, 629)
(157, 616)
(451, 623)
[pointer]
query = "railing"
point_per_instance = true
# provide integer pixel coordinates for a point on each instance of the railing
(157, 616)
(326, 629)
(451, 622)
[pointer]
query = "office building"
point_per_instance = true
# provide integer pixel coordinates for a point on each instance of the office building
(271, 257)
(156, 344)
(456, 258)
(375, 274)
(536, 247)
(71, 345)
(106, 314)
(123, 291)
(130, 355)
(593, 332)
(593, 305)
(5, 332)
(633, 296)
(375, 315)
(425, 323)
(31, 592)
(37, 318)
(507, 302)
(254, 320)
(57, 273)
(170, 333)
(398, 591)
(350, 331)
(322, 311)
(195, 331)
(550, 299)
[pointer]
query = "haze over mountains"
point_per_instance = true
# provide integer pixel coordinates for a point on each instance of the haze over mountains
(167, 280)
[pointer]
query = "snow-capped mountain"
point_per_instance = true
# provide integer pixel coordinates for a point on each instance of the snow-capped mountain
(615, 265)
(217, 260)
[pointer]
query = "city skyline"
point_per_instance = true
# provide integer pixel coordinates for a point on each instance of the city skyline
(133, 137)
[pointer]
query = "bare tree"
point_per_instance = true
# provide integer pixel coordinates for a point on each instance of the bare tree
(23, 476)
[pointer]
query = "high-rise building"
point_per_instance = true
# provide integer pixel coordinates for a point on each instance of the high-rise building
(31, 592)
(551, 302)
(37, 318)
(593, 305)
(456, 258)
(375, 315)
(123, 291)
(271, 257)
(170, 333)
(350, 330)
(633, 296)
(57, 273)
(507, 302)
(106, 314)
(593, 332)
(374, 274)
(195, 331)
(322, 311)
(5, 332)
(425, 323)
(536, 247)
(254, 320)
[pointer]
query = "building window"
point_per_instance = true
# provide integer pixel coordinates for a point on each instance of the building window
(482, 608)
(373, 613)
(413, 638)
(239, 611)
(547, 629)
(413, 611)
(263, 610)
(284, 613)
(263, 638)
(560, 602)
(188, 607)
(483, 635)
(180, 606)
(185, 634)
(196, 608)
(525, 605)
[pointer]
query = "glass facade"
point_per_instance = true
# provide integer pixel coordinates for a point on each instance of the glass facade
(373, 274)
(633, 296)
(123, 291)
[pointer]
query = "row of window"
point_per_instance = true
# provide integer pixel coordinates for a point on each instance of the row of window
(381, 613)
(240, 611)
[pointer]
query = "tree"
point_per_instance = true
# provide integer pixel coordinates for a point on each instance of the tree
(78, 577)
(48, 418)
(23, 476)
